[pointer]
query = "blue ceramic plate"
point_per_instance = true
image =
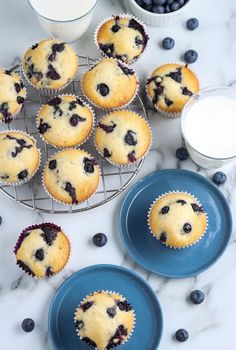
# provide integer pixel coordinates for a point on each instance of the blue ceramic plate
(148, 329)
(151, 253)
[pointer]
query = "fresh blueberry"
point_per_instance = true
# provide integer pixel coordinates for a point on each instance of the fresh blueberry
(28, 325)
(168, 43)
(219, 178)
(147, 2)
(139, 2)
(182, 153)
(181, 335)
(191, 56)
(158, 2)
(148, 7)
(100, 239)
(181, 2)
(169, 2)
(197, 297)
(167, 9)
(158, 9)
(192, 23)
(175, 6)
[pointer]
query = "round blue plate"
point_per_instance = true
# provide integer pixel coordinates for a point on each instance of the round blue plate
(149, 323)
(151, 253)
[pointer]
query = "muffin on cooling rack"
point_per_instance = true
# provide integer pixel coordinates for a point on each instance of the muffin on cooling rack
(12, 95)
(71, 176)
(170, 87)
(50, 65)
(19, 157)
(65, 121)
(104, 320)
(122, 37)
(42, 250)
(177, 219)
(110, 84)
(123, 137)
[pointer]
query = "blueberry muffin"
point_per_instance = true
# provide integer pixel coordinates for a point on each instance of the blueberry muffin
(109, 84)
(12, 95)
(65, 121)
(19, 157)
(42, 250)
(50, 64)
(177, 219)
(71, 176)
(104, 320)
(170, 87)
(123, 137)
(122, 37)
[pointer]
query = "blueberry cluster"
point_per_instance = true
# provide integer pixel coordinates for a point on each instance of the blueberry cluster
(161, 6)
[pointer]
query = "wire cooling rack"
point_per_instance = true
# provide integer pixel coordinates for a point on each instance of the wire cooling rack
(114, 179)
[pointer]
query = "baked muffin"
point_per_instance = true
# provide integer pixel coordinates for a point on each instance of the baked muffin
(170, 87)
(110, 84)
(177, 219)
(123, 137)
(71, 176)
(19, 157)
(12, 95)
(104, 320)
(65, 121)
(122, 37)
(50, 64)
(42, 250)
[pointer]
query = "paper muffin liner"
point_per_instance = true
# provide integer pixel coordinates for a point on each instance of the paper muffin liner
(130, 163)
(57, 200)
(121, 15)
(159, 110)
(21, 238)
(108, 292)
(89, 134)
(174, 192)
(119, 63)
(21, 182)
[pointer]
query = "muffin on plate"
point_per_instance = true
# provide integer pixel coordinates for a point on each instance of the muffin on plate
(42, 250)
(71, 176)
(110, 84)
(104, 320)
(65, 121)
(12, 95)
(177, 219)
(50, 64)
(19, 157)
(122, 37)
(123, 137)
(169, 88)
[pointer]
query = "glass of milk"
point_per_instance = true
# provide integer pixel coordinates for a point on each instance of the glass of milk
(208, 126)
(66, 20)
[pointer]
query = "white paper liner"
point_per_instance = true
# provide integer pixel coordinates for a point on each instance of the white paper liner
(21, 182)
(174, 192)
(122, 15)
(107, 292)
(76, 145)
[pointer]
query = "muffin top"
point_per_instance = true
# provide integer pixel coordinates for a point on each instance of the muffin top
(42, 250)
(109, 84)
(123, 137)
(65, 121)
(12, 95)
(170, 87)
(122, 38)
(71, 176)
(104, 320)
(19, 157)
(50, 64)
(177, 220)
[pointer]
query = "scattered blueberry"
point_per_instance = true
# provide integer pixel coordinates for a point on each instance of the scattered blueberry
(181, 335)
(182, 153)
(192, 23)
(219, 178)
(168, 43)
(28, 325)
(197, 297)
(191, 56)
(100, 239)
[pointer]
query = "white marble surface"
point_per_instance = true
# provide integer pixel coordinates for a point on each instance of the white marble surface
(212, 324)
